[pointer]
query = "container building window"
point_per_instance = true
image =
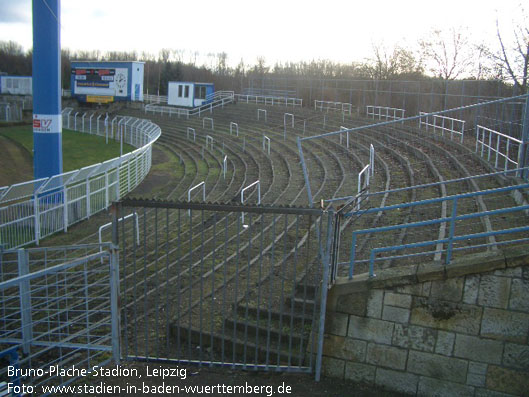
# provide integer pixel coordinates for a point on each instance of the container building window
(179, 91)
(186, 95)
(200, 92)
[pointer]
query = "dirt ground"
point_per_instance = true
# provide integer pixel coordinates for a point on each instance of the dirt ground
(148, 378)
(15, 161)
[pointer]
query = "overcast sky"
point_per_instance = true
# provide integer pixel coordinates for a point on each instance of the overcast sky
(278, 30)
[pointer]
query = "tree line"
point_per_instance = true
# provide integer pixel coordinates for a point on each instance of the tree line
(443, 55)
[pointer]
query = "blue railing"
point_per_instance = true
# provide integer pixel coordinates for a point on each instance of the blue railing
(451, 221)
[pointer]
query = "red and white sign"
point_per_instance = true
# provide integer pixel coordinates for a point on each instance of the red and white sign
(47, 123)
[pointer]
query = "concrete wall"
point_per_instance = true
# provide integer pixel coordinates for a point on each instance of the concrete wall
(437, 330)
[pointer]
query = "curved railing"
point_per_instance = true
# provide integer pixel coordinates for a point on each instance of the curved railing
(215, 100)
(30, 211)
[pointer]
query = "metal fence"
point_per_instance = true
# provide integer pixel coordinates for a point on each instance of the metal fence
(269, 100)
(218, 99)
(10, 111)
(333, 106)
(203, 288)
(504, 149)
(442, 124)
(451, 234)
(384, 112)
(154, 98)
(59, 317)
(30, 211)
(476, 216)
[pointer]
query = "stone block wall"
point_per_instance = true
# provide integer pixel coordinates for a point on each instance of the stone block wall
(461, 329)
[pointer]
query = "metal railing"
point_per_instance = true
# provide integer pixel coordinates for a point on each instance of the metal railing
(10, 111)
(222, 98)
(443, 124)
(221, 294)
(269, 100)
(30, 211)
(384, 112)
(493, 143)
(59, 310)
(154, 98)
(269, 92)
(442, 245)
(219, 95)
(333, 106)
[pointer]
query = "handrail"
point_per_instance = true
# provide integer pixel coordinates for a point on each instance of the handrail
(451, 220)
(452, 121)
(35, 209)
(269, 100)
(499, 138)
(220, 101)
(334, 106)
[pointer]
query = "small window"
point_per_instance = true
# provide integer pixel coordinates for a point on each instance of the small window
(200, 92)
(179, 91)
(186, 95)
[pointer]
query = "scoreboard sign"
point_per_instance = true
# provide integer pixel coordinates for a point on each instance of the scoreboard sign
(101, 81)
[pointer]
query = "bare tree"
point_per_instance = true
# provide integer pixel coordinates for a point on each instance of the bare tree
(513, 60)
(390, 64)
(447, 53)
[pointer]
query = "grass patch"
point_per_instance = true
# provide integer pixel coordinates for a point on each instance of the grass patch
(78, 149)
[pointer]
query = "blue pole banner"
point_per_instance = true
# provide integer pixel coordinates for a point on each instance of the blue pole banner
(47, 121)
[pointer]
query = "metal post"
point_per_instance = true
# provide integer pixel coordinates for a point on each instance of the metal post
(523, 152)
(36, 214)
(305, 172)
(451, 232)
(323, 298)
(97, 122)
(88, 197)
(47, 119)
(372, 159)
(65, 208)
(114, 289)
(25, 301)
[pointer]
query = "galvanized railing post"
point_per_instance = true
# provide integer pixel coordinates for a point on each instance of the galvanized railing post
(451, 232)
(523, 151)
(323, 298)
(114, 289)
(25, 301)
(65, 208)
(36, 214)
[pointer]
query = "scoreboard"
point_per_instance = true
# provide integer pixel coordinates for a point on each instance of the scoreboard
(97, 82)
(107, 81)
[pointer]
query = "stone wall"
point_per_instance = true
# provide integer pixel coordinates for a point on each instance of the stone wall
(430, 329)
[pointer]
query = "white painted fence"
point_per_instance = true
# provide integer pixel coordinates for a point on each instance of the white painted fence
(219, 99)
(269, 100)
(384, 112)
(30, 211)
(443, 124)
(504, 148)
(333, 106)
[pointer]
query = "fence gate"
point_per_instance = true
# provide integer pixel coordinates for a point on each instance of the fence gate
(209, 286)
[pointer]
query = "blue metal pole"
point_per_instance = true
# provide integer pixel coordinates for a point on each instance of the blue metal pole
(47, 122)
